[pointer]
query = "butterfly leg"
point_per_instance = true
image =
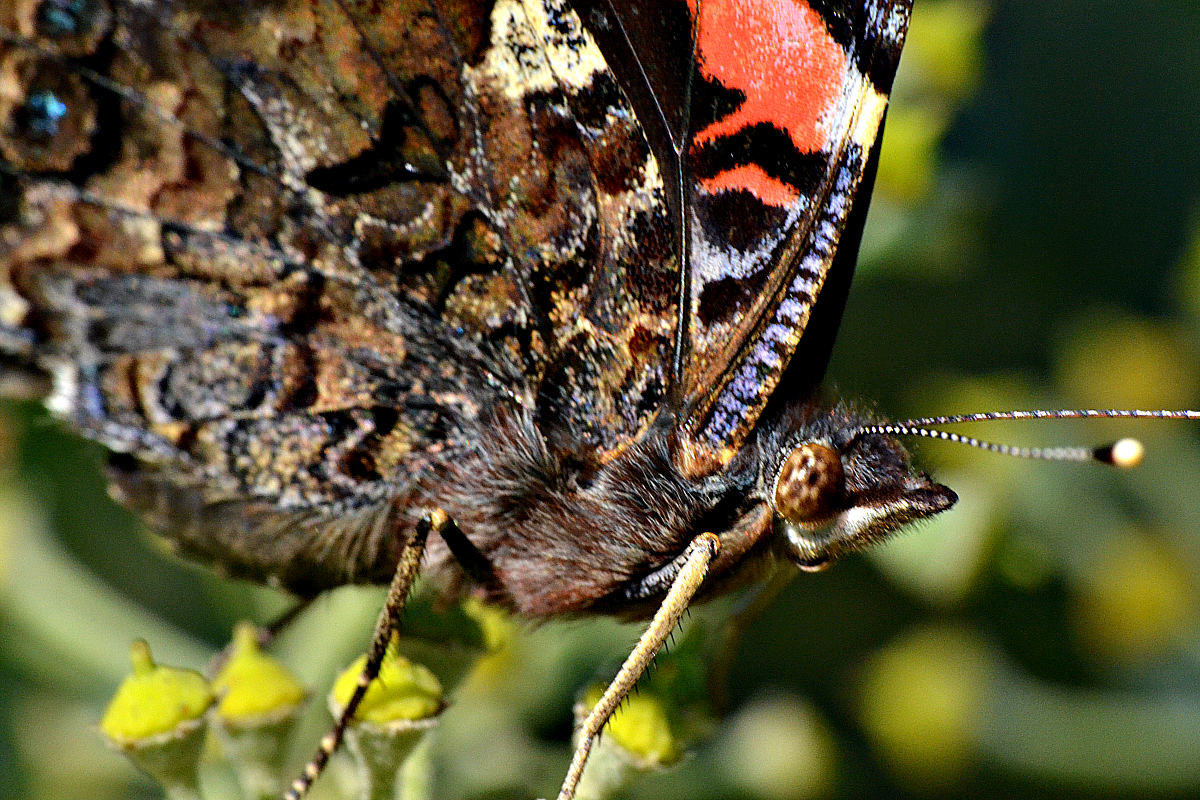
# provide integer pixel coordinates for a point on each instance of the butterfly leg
(693, 567)
(747, 611)
(263, 634)
(406, 573)
(268, 632)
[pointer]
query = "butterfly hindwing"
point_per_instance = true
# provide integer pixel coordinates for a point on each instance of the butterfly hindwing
(193, 253)
(281, 254)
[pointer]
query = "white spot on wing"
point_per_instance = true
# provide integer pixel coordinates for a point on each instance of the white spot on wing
(869, 118)
(65, 379)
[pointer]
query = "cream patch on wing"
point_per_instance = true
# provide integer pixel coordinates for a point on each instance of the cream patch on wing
(539, 45)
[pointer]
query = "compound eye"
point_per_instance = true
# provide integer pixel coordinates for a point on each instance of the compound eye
(810, 484)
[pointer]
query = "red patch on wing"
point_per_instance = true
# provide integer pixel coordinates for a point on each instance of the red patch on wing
(780, 55)
(755, 180)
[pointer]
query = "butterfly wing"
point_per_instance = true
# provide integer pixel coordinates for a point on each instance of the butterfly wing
(195, 250)
(764, 117)
(787, 103)
(281, 255)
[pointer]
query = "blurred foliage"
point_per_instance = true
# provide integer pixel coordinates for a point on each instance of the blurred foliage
(1034, 242)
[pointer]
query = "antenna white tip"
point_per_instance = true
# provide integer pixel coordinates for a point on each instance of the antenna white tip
(1123, 453)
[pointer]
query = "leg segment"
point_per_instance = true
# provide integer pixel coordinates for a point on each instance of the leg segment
(686, 582)
(402, 581)
(268, 632)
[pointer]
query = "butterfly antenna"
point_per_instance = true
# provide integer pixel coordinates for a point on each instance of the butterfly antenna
(1122, 453)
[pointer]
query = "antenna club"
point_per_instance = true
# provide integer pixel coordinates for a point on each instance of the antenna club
(1124, 453)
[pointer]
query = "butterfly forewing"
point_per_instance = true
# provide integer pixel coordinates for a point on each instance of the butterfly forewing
(787, 102)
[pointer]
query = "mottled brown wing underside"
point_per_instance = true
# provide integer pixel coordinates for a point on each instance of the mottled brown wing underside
(282, 253)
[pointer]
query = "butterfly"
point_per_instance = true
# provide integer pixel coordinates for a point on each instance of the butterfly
(536, 293)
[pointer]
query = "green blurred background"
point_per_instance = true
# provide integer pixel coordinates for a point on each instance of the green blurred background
(1034, 242)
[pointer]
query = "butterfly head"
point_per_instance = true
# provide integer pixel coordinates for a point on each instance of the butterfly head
(841, 492)
(842, 483)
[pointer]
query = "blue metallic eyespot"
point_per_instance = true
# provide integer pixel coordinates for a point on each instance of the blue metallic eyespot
(57, 18)
(42, 113)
